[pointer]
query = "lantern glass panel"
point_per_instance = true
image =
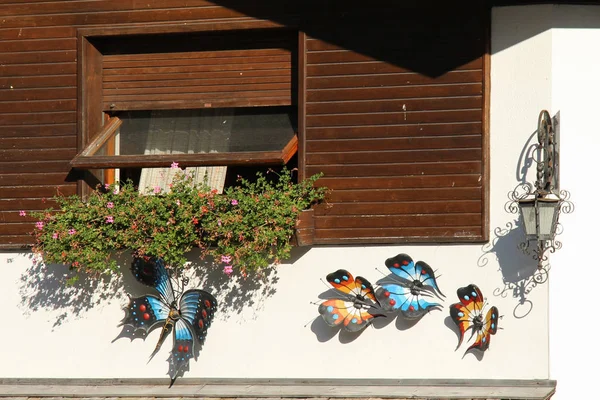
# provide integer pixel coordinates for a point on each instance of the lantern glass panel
(548, 211)
(528, 214)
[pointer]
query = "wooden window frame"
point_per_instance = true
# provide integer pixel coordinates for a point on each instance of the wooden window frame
(95, 127)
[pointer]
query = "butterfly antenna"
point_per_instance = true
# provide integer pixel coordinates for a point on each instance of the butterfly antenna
(311, 321)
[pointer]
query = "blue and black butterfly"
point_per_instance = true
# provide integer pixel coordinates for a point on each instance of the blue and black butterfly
(408, 286)
(188, 313)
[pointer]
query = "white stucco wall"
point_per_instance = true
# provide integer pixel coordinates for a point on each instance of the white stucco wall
(576, 84)
(53, 331)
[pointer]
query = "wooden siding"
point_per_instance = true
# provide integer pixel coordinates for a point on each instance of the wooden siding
(402, 150)
(397, 123)
(254, 69)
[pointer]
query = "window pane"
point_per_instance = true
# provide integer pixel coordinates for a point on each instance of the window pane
(204, 130)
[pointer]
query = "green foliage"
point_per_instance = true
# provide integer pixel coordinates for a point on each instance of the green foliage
(249, 226)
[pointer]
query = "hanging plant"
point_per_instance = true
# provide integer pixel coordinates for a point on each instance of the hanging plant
(248, 227)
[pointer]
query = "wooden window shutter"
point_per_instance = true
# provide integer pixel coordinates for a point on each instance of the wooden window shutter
(397, 122)
(231, 69)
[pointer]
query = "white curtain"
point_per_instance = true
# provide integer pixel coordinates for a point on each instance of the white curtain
(187, 132)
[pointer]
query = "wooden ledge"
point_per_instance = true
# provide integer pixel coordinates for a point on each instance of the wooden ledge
(281, 388)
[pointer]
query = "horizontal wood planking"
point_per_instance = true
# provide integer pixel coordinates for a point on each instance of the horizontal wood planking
(15, 241)
(33, 143)
(39, 192)
(38, 69)
(394, 92)
(33, 32)
(404, 105)
(37, 45)
(16, 228)
(388, 144)
(37, 154)
(33, 204)
(386, 131)
(45, 81)
(413, 117)
(204, 77)
(434, 168)
(396, 235)
(36, 166)
(403, 79)
(39, 57)
(94, 6)
(170, 85)
(401, 182)
(35, 94)
(384, 157)
(401, 195)
(408, 208)
(29, 179)
(401, 150)
(37, 130)
(398, 221)
(38, 118)
(37, 106)
(371, 67)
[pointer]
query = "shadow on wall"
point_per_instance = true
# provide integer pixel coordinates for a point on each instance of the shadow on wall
(519, 271)
(520, 274)
(46, 288)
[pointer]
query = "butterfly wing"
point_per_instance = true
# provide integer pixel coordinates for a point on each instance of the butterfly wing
(337, 312)
(152, 272)
(407, 271)
(145, 313)
(470, 305)
(343, 281)
(183, 349)
(197, 308)
(396, 297)
(490, 325)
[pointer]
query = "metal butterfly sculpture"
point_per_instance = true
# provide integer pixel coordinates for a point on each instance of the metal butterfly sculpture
(469, 314)
(353, 310)
(188, 313)
(407, 287)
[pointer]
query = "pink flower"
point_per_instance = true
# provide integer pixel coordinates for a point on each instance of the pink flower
(174, 165)
(39, 225)
(110, 219)
(226, 259)
(219, 222)
(157, 189)
(55, 235)
(72, 231)
(110, 204)
(116, 190)
(234, 202)
(106, 186)
(22, 213)
(228, 270)
(177, 202)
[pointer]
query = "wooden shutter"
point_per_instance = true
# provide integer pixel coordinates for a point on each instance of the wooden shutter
(396, 122)
(236, 69)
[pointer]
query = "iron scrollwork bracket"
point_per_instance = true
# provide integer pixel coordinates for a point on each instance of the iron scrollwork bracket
(546, 157)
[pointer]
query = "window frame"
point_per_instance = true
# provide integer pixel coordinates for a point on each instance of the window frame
(95, 126)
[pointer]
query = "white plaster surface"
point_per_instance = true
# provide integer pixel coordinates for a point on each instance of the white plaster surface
(576, 84)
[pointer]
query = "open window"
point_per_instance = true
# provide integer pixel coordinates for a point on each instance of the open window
(208, 100)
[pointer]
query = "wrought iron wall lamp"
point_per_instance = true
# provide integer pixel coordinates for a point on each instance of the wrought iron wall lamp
(540, 204)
